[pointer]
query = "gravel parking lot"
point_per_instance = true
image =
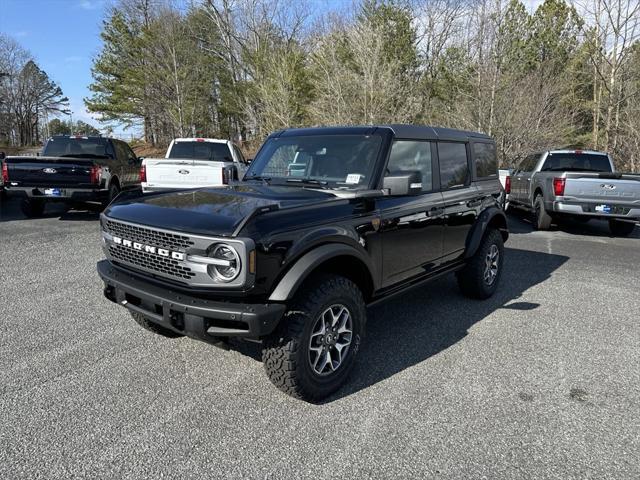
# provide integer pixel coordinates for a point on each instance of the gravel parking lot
(541, 381)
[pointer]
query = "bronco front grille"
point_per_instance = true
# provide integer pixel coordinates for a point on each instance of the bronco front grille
(154, 263)
(166, 266)
(170, 241)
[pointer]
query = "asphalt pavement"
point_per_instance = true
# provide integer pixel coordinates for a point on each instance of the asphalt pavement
(541, 381)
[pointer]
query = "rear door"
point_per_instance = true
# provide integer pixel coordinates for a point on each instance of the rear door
(461, 198)
(521, 180)
(411, 226)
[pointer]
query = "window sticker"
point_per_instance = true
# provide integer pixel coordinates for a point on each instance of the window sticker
(353, 178)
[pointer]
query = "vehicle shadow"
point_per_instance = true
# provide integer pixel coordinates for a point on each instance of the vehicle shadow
(403, 333)
(10, 211)
(521, 222)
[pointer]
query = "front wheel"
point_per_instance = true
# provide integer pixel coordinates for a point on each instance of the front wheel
(481, 275)
(314, 349)
(620, 228)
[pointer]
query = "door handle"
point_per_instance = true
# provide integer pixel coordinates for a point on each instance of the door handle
(435, 211)
(519, 178)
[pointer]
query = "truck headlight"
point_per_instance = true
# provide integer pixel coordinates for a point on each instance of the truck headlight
(227, 265)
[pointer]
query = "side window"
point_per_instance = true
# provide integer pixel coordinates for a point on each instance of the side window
(408, 155)
(238, 153)
(130, 153)
(485, 158)
(529, 163)
(454, 168)
(121, 155)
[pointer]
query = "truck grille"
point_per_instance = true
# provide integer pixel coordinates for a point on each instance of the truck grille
(170, 241)
(165, 266)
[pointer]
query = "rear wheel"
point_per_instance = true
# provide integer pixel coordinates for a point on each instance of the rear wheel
(620, 228)
(541, 216)
(32, 207)
(114, 190)
(147, 324)
(480, 277)
(314, 349)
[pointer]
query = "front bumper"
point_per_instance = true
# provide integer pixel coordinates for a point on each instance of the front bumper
(205, 320)
(621, 211)
(68, 194)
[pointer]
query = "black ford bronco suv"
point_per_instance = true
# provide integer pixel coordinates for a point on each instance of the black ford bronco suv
(325, 222)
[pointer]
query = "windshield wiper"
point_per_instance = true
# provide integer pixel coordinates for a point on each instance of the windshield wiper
(266, 180)
(308, 181)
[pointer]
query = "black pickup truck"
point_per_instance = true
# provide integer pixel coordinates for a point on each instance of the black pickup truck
(325, 222)
(72, 169)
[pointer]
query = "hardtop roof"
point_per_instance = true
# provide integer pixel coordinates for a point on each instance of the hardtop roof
(410, 132)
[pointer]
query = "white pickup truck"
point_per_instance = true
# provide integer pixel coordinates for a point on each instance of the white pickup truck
(193, 163)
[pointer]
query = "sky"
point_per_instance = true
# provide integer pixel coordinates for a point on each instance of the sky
(64, 35)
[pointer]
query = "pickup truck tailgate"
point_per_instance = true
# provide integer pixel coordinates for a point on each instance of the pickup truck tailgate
(609, 187)
(49, 171)
(177, 173)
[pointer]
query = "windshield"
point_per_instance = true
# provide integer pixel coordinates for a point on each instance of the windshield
(336, 161)
(77, 147)
(218, 152)
(576, 162)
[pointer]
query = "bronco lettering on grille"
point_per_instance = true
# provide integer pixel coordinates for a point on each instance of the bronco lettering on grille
(148, 248)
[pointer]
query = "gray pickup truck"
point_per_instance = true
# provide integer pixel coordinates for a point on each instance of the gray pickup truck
(580, 184)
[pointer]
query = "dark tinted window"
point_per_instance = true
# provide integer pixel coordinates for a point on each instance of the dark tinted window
(454, 169)
(485, 159)
(529, 163)
(201, 151)
(77, 147)
(411, 156)
(576, 162)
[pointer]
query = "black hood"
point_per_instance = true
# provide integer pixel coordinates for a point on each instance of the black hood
(210, 211)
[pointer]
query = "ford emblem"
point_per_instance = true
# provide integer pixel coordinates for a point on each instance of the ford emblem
(183, 172)
(608, 186)
(49, 170)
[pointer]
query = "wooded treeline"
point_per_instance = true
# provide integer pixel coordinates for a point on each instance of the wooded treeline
(28, 97)
(567, 74)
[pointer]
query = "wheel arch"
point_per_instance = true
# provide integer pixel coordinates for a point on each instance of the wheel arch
(492, 217)
(338, 259)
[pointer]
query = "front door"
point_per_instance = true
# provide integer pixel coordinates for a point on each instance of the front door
(411, 226)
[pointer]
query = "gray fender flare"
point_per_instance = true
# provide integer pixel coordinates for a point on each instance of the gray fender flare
(288, 285)
(482, 223)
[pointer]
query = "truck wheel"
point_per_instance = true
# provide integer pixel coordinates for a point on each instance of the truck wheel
(542, 218)
(313, 350)
(154, 327)
(620, 228)
(481, 275)
(114, 190)
(32, 208)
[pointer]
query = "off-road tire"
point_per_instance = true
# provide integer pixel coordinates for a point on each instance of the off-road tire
(32, 208)
(542, 219)
(471, 279)
(619, 228)
(153, 327)
(285, 353)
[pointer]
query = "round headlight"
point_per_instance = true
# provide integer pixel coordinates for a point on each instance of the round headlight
(228, 267)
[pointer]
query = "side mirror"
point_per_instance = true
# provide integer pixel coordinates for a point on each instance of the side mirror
(2, 155)
(403, 183)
